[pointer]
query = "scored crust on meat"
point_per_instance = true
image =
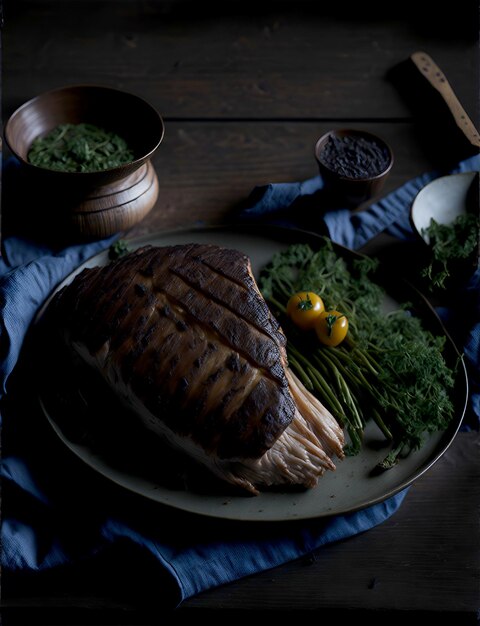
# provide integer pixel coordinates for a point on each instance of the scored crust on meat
(184, 337)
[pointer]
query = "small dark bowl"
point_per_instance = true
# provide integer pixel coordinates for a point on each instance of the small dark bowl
(117, 111)
(353, 190)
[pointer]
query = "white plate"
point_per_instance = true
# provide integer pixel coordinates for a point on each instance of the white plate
(351, 487)
(443, 200)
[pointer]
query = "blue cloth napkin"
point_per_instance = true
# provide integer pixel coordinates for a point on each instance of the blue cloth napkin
(305, 205)
(57, 511)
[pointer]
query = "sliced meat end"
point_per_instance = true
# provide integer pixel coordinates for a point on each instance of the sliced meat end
(296, 458)
(317, 417)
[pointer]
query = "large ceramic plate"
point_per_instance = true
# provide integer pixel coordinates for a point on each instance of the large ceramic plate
(153, 475)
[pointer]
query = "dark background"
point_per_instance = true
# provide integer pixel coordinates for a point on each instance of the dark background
(245, 90)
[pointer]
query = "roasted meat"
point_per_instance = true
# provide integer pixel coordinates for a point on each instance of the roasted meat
(184, 337)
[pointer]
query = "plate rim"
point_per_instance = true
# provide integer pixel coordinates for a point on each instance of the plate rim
(446, 437)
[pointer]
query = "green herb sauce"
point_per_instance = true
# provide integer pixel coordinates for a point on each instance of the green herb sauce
(79, 148)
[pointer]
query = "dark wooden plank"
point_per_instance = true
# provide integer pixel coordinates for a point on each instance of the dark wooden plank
(415, 563)
(417, 560)
(248, 60)
(206, 169)
(244, 67)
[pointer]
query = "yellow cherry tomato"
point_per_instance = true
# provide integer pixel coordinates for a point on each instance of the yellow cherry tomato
(331, 327)
(303, 308)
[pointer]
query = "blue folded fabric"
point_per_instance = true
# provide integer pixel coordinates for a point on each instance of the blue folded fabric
(56, 511)
(305, 205)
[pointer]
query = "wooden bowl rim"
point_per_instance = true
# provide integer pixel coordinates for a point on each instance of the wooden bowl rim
(131, 164)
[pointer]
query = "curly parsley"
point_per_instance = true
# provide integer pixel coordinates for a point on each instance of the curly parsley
(390, 368)
(118, 249)
(451, 244)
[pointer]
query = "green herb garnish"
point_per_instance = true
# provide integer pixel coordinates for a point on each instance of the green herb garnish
(450, 244)
(389, 369)
(118, 249)
(79, 148)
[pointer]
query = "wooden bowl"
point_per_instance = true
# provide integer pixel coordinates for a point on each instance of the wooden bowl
(358, 189)
(125, 193)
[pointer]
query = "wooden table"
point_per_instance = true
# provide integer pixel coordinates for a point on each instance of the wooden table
(245, 91)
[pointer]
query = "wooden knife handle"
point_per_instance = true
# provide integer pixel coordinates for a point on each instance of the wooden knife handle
(430, 70)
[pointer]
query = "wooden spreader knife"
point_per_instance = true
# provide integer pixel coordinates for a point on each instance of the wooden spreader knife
(431, 72)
